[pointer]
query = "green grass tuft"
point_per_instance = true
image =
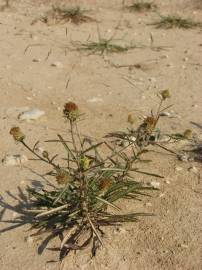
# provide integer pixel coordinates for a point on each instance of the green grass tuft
(175, 21)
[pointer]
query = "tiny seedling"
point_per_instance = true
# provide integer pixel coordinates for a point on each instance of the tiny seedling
(175, 21)
(140, 6)
(59, 15)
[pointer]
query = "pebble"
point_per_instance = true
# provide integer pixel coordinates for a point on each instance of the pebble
(148, 204)
(95, 99)
(167, 182)
(155, 184)
(178, 168)
(57, 64)
(162, 195)
(31, 114)
(36, 60)
(184, 158)
(29, 240)
(14, 160)
(165, 114)
(193, 169)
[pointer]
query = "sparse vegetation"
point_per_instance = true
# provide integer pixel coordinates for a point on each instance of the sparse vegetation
(140, 6)
(103, 46)
(175, 21)
(82, 197)
(59, 15)
(88, 186)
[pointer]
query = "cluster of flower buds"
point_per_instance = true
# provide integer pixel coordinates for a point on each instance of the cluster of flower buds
(71, 111)
(17, 134)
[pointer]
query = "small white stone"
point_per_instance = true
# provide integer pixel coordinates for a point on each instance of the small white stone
(14, 160)
(29, 98)
(193, 169)
(178, 168)
(95, 99)
(165, 114)
(31, 114)
(15, 214)
(148, 204)
(184, 158)
(155, 184)
(57, 64)
(184, 246)
(167, 182)
(162, 195)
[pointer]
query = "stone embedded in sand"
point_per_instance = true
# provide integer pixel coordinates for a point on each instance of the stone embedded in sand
(14, 160)
(95, 99)
(193, 169)
(31, 114)
(57, 64)
(178, 168)
(165, 114)
(155, 184)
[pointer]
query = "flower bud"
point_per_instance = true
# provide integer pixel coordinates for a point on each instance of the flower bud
(62, 176)
(45, 154)
(131, 119)
(165, 94)
(71, 111)
(105, 184)
(188, 134)
(17, 134)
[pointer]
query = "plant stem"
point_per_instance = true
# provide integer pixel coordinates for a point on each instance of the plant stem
(41, 158)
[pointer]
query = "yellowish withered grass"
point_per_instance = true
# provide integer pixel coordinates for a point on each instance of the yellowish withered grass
(175, 21)
(64, 14)
(140, 6)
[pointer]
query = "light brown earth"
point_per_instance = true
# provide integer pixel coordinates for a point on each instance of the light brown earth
(172, 240)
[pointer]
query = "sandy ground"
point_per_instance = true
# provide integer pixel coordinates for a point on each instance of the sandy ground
(172, 240)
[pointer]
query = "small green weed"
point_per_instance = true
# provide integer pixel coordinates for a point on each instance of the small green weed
(175, 21)
(140, 6)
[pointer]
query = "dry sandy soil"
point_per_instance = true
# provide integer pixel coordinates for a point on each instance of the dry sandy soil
(172, 240)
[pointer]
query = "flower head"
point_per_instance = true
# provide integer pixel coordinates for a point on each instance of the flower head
(104, 184)
(165, 94)
(17, 134)
(71, 111)
(62, 176)
(150, 123)
(188, 134)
